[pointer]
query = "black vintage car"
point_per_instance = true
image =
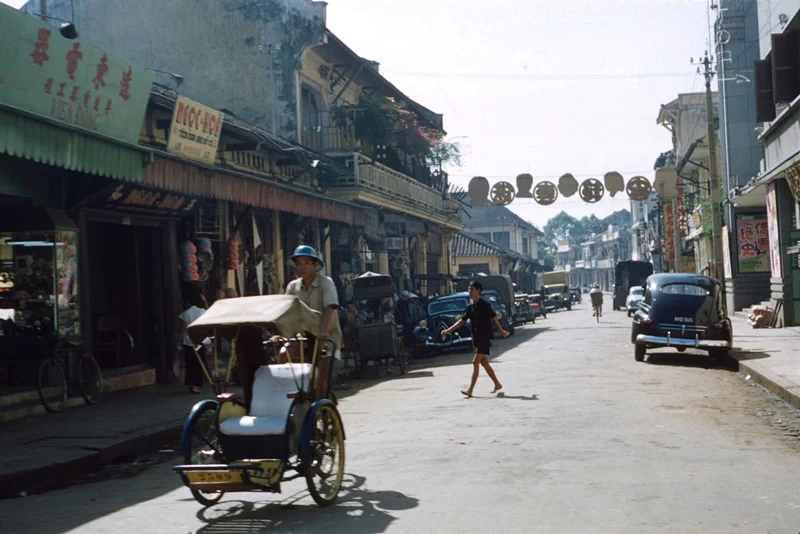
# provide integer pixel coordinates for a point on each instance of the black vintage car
(684, 311)
(443, 312)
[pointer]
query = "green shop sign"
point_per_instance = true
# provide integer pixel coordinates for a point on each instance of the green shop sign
(70, 81)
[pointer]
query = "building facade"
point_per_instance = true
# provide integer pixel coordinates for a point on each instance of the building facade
(777, 187)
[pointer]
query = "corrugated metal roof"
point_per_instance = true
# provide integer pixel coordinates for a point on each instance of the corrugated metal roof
(46, 143)
(181, 176)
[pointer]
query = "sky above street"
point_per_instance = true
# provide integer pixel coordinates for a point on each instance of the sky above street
(543, 87)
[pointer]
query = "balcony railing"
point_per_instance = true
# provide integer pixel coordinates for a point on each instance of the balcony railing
(393, 185)
(327, 131)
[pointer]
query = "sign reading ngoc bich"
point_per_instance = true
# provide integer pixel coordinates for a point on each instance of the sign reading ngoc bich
(195, 131)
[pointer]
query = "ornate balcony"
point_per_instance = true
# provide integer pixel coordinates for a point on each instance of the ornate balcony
(383, 187)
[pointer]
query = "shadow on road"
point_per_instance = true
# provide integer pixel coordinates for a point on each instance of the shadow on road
(418, 367)
(741, 354)
(691, 360)
(502, 395)
(357, 510)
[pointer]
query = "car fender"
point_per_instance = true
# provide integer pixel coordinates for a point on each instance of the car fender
(188, 425)
(305, 435)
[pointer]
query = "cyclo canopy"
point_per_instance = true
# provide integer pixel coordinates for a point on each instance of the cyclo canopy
(283, 315)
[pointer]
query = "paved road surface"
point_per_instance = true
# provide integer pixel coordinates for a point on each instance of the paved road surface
(584, 439)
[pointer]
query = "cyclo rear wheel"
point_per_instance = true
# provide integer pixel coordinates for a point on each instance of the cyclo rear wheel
(52, 385)
(324, 468)
(90, 379)
(204, 449)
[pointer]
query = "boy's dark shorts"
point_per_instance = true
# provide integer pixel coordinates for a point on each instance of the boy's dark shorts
(482, 347)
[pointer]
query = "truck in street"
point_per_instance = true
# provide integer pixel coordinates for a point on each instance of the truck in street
(627, 275)
(555, 285)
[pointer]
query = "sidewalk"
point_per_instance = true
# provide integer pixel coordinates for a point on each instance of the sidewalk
(771, 357)
(42, 452)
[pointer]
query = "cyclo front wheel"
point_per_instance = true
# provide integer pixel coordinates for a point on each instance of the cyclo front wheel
(52, 385)
(90, 379)
(204, 449)
(324, 468)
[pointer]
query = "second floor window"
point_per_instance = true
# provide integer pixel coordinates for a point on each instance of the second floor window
(502, 238)
(525, 250)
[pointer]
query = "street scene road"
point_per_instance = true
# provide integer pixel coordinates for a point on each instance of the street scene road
(581, 439)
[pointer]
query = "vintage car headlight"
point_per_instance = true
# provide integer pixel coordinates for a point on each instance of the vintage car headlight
(423, 324)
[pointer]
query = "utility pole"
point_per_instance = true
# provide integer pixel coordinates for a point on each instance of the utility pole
(716, 215)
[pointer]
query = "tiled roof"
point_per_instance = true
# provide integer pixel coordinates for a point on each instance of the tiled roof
(464, 244)
(491, 215)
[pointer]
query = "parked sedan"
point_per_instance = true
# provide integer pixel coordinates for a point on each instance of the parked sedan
(635, 296)
(682, 311)
(443, 312)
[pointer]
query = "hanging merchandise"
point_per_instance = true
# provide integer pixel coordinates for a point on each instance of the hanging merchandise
(233, 253)
(188, 257)
(205, 256)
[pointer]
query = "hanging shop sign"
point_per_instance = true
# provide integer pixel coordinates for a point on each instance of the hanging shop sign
(752, 244)
(546, 192)
(776, 267)
(195, 131)
(393, 243)
(133, 199)
(793, 179)
(69, 80)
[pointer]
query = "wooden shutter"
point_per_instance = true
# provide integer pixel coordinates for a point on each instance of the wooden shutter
(765, 105)
(785, 58)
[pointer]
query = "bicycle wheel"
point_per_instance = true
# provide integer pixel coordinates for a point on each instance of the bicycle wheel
(52, 385)
(324, 469)
(90, 379)
(401, 356)
(204, 448)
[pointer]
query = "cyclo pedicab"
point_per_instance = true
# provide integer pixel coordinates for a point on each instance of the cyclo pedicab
(378, 339)
(292, 428)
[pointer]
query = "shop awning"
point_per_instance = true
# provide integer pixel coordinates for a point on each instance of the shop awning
(175, 175)
(46, 143)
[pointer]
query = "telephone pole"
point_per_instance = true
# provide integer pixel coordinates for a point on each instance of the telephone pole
(716, 213)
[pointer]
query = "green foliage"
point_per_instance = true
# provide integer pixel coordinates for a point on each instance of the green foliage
(565, 226)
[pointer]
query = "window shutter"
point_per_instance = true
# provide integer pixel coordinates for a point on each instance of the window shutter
(785, 81)
(765, 105)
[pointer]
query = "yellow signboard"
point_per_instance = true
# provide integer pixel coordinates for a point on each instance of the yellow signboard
(195, 131)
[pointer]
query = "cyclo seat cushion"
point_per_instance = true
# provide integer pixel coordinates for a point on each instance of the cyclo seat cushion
(269, 410)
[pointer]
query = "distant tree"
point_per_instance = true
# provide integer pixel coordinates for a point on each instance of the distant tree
(565, 226)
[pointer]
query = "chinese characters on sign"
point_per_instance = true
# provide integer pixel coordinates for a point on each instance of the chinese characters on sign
(774, 238)
(752, 244)
(793, 179)
(70, 81)
(669, 240)
(195, 131)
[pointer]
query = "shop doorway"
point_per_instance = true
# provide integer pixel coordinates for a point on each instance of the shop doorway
(126, 288)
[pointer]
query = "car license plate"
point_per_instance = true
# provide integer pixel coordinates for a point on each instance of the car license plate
(214, 477)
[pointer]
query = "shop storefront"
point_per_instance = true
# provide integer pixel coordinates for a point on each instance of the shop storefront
(39, 291)
(70, 118)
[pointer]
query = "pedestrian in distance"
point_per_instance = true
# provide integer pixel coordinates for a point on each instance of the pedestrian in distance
(194, 306)
(481, 315)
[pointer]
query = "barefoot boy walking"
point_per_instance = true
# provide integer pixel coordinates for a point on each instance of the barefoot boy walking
(481, 314)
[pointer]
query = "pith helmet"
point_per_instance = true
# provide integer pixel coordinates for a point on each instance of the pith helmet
(305, 250)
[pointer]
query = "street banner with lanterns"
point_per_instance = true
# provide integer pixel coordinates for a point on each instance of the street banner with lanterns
(545, 193)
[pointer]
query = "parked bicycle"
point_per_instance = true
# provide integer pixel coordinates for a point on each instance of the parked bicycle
(69, 372)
